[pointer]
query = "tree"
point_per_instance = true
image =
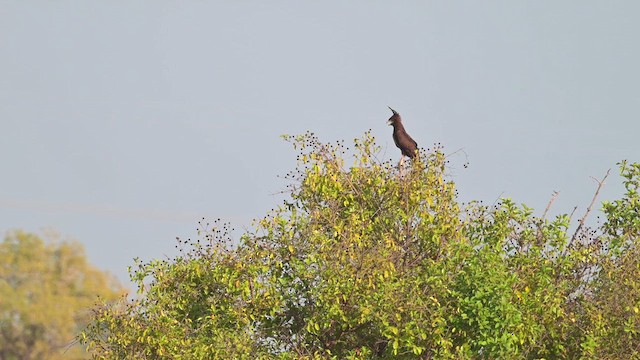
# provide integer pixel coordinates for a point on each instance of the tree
(370, 261)
(46, 290)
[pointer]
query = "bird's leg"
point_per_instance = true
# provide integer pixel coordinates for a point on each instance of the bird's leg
(401, 162)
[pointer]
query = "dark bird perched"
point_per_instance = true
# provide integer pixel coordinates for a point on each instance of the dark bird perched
(403, 141)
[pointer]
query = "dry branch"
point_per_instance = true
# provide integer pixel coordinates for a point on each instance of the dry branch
(586, 214)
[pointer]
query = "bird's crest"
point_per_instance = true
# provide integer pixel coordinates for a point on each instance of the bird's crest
(395, 118)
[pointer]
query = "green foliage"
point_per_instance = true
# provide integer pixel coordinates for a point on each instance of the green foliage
(365, 260)
(612, 317)
(46, 290)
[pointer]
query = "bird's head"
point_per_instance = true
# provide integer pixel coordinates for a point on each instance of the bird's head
(394, 119)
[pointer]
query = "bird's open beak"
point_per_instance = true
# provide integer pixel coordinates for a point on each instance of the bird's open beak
(393, 111)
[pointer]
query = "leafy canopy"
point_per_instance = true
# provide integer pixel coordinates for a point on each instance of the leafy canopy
(46, 289)
(365, 260)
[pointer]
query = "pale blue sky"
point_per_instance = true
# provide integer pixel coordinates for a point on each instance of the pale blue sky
(117, 117)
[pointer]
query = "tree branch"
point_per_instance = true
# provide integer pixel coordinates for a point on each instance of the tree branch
(551, 201)
(586, 214)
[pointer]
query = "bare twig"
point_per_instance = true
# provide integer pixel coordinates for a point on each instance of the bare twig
(586, 214)
(572, 212)
(554, 196)
(466, 157)
(498, 199)
(553, 199)
(457, 151)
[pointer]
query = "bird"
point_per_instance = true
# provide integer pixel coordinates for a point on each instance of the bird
(403, 141)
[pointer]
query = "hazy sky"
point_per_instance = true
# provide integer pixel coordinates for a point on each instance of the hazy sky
(122, 123)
